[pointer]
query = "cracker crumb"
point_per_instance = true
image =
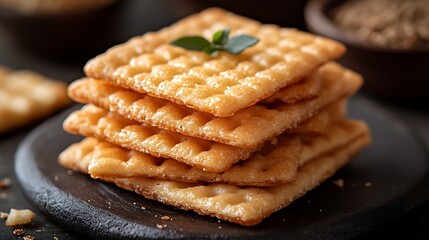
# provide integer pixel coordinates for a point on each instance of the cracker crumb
(18, 232)
(274, 141)
(159, 226)
(320, 210)
(165, 218)
(339, 183)
(143, 208)
(28, 237)
(5, 183)
(156, 215)
(69, 172)
(368, 184)
(55, 238)
(134, 203)
(3, 195)
(220, 227)
(56, 178)
(3, 215)
(19, 217)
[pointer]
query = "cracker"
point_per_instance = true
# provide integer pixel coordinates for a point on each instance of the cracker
(245, 206)
(336, 136)
(26, 96)
(82, 150)
(211, 156)
(92, 121)
(272, 166)
(305, 89)
(319, 123)
(243, 129)
(222, 84)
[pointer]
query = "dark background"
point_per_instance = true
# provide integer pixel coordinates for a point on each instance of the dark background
(59, 46)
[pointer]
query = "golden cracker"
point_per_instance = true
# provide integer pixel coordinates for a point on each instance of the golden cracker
(243, 129)
(26, 96)
(271, 167)
(318, 124)
(305, 89)
(82, 150)
(336, 136)
(92, 121)
(222, 84)
(245, 206)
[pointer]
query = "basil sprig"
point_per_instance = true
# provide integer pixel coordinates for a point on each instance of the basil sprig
(220, 42)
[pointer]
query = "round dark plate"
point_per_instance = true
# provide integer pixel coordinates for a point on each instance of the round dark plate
(395, 165)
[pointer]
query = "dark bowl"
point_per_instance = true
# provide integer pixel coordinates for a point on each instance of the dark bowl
(394, 75)
(283, 13)
(72, 35)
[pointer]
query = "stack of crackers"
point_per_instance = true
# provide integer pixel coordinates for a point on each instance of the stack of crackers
(236, 137)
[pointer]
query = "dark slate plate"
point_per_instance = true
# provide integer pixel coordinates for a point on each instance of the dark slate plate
(395, 164)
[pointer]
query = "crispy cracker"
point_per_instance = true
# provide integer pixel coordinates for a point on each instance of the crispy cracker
(305, 89)
(319, 123)
(245, 206)
(272, 166)
(336, 136)
(221, 84)
(243, 129)
(26, 96)
(92, 121)
(82, 150)
(96, 122)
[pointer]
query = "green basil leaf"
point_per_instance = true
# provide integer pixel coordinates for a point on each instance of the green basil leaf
(238, 43)
(195, 43)
(221, 37)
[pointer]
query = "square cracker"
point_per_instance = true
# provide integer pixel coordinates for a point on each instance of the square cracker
(245, 206)
(272, 166)
(305, 89)
(243, 129)
(92, 121)
(220, 85)
(26, 96)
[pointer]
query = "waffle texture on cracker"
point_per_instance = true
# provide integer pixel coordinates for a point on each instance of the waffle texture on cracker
(96, 122)
(220, 85)
(307, 88)
(271, 167)
(319, 123)
(241, 130)
(245, 206)
(26, 96)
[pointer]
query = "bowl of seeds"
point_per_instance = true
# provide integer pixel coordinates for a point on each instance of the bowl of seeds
(387, 40)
